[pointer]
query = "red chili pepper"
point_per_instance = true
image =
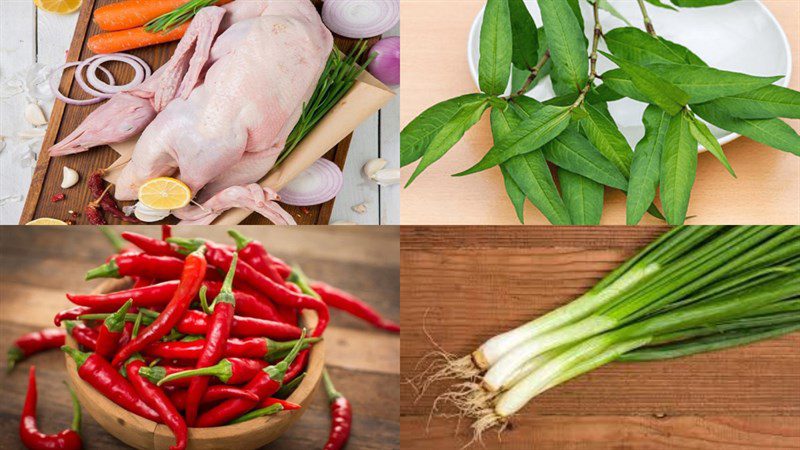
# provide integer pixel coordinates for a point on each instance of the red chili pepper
(143, 297)
(340, 299)
(94, 214)
(228, 371)
(196, 322)
(264, 384)
(253, 347)
(140, 282)
(297, 367)
(139, 265)
(283, 269)
(111, 331)
(214, 394)
(83, 335)
(58, 197)
(32, 438)
(253, 252)
(341, 415)
(247, 304)
(279, 293)
(287, 406)
(151, 246)
(191, 278)
(289, 386)
(96, 371)
(97, 185)
(219, 328)
(72, 314)
(125, 337)
(166, 232)
(158, 400)
(34, 342)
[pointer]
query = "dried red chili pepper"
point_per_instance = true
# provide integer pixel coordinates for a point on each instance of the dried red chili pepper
(253, 252)
(83, 335)
(94, 214)
(341, 415)
(110, 332)
(196, 322)
(96, 185)
(158, 400)
(34, 342)
(143, 297)
(30, 435)
(213, 394)
(253, 347)
(219, 328)
(139, 265)
(58, 197)
(227, 370)
(279, 293)
(151, 246)
(96, 371)
(192, 276)
(264, 384)
(340, 299)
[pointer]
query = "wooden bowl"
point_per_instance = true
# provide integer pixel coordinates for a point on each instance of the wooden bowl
(142, 433)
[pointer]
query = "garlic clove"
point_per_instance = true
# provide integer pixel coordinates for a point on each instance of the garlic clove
(34, 115)
(372, 166)
(69, 178)
(361, 208)
(387, 177)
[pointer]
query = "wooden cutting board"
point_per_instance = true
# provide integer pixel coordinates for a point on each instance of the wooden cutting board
(47, 176)
(363, 362)
(470, 283)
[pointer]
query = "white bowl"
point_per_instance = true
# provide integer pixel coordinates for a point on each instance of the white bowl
(741, 36)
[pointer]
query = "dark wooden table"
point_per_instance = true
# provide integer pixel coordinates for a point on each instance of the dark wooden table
(474, 282)
(39, 264)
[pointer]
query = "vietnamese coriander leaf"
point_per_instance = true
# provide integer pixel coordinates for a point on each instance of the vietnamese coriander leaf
(699, 3)
(640, 47)
(762, 103)
(660, 92)
(582, 197)
(494, 65)
(678, 169)
(530, 173)
(646, 164)
(450, 133)
(567, 46)
(544, 125)
(515, 194)
(601, 130)
(705, 138)
(417, 135)
(605, 5)
(525, 36)
(660, 4)
(773, 132)
(572, 151)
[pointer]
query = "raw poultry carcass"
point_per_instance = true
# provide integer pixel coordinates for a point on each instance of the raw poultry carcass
(252, 197)
(218, 113)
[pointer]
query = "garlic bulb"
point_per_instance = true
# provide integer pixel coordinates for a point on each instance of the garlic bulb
(34, 115)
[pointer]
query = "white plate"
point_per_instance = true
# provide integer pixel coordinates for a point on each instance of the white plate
(742, 36)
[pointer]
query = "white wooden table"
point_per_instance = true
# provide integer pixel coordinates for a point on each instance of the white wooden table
(29, 36)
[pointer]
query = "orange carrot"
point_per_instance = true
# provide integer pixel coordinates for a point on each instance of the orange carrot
(135, 13)
(119, 41)
(132, 13)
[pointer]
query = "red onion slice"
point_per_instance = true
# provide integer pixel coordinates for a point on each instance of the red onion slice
(54, 82)
(386, 65)
(359, 19)
(105, 88)
(319, 183)
(93, 85)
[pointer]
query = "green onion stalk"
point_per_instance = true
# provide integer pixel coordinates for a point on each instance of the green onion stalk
(693, 290)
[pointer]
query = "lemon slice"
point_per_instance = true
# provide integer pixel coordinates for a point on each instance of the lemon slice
(58, 6)
(164, 193)
(46, 221)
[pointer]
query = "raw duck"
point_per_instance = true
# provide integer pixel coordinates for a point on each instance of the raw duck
(252, 197)
(218, 113)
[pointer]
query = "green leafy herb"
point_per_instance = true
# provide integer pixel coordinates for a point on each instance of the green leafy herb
(661, 92)
(605, 5)
(773, 132)
(180, 15)
(494, 66)
(646, 164)
(582, 196)
(762, 103)
(640, 47)
(699, 3)
(567, 44)
(572, 151)
(525, 36)
(703, 135)
(604, 134)
(515, 194)
(337, 78)
(660, 4)
(678, 168)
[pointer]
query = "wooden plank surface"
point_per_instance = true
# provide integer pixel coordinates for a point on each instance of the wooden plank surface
(766, 190)
(46, 178)
(38, 265)
(470, 283)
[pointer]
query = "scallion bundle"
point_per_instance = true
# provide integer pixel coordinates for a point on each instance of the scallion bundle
(695, 289)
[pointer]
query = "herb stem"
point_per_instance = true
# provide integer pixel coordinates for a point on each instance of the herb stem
(534, 73)
(648, 24)
(598, 33)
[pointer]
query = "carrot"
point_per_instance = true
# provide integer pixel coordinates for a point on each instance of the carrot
(118, 41)
(132, 13)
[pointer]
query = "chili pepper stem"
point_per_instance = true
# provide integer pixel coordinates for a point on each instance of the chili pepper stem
(240, 239)
(113, 238)
(278, 371)
(299, 278)
(107, 270)
(76, 410)
(330, 389)
(269, 410)
(77, 355)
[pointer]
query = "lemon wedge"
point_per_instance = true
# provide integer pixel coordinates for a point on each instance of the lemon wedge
(46, 221)
(58, 6)
(165, 193)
